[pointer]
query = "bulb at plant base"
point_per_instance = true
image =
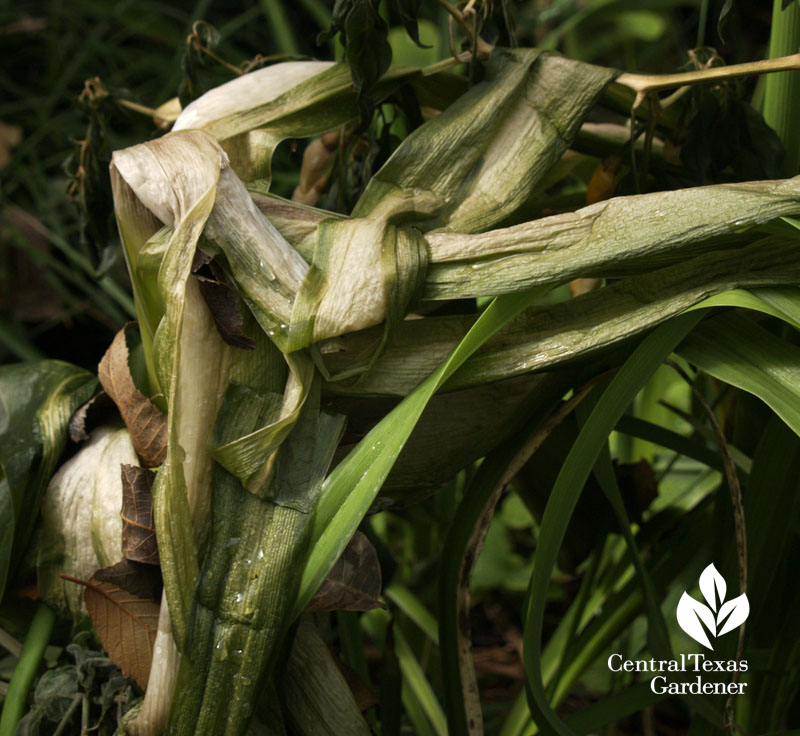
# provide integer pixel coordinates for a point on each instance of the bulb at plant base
(82, 502)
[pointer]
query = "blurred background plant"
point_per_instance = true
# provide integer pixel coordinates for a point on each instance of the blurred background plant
(79, 78)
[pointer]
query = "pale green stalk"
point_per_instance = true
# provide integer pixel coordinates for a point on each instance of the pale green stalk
(782, 90)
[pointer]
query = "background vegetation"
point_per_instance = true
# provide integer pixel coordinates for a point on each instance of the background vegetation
(81, 79)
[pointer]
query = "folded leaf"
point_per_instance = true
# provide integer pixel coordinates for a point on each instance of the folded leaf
(543, 337)
(146, 424)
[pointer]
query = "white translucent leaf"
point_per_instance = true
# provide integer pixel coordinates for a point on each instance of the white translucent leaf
(690, 613)
(712, 586)
(736, 610)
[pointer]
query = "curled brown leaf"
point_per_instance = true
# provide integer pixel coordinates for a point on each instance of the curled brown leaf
(146, 424)
(93, 413)
(138, 529)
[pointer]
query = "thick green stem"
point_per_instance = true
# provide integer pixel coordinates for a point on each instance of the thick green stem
(25, 670)
(782, 92)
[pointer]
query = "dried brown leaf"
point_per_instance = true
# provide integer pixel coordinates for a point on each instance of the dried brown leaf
(125, 615)
(92, 414)
(223, 303)
(354, 583)
(146, 424)
(138, 528)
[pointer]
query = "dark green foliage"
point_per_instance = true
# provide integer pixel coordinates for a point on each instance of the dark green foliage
(364, 36)
(725, 131)
(91, 686)
(408, 12)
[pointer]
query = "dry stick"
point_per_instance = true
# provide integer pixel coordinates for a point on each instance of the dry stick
(644, 83)
(469, 685)
(738, 520)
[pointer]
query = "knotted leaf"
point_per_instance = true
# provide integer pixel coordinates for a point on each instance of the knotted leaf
(147, 425)
(354, 583)
(138, 529)
(122, 601)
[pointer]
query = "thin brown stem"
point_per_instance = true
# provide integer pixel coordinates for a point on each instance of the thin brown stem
(480, 47)
(644, 83)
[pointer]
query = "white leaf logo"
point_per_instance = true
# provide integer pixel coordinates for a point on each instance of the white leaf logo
(719, 617)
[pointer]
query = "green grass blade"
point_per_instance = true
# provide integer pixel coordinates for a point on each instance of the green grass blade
(26, 668)
(414, 678)
(737, 351)
(579, 463)
(351, 488)
(281, 29)
(413, 607)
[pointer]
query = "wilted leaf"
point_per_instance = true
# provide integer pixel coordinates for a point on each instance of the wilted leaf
(90, 415)
(313, 684)
(125, 614)
(147, 425)
(364, 36)
(138, 529)
(223, 303)
(354, 583)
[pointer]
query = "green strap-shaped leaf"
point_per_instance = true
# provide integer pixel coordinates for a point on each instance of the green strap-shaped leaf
(350, 489)
(36, 403)
(734, 349)
(577, 466)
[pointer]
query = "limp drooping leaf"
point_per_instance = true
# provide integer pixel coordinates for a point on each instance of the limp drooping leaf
(354, 583)
(468, 168)
(146, 423)
(616, 237)
(122, 601)
(36, 403)
(138, 530)
(542, 337)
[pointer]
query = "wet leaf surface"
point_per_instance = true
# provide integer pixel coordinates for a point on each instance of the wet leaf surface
(138, 528)
(354, 583)
(147, 425)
